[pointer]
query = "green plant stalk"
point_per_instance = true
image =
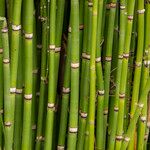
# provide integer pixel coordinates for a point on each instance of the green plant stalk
(108, 58)
(138, 61)
(145, 75)
(147, 125)
(18, 104)
(9, 4)
(28, 76)
(81, 22)
(2, 14)
(59, 29)
(84, 86)
(14, 49)
(130, 72)
(124, 73)
(115, 55)
(133, 122)
(6, 74)
(139, 57)
(105, 24)
(34, 87)
(113, 123)
(51, 77)
(65, 99)
(74, 96)
(43, 82)
(84, 46)
(91, 118)
(1, 86)
(99, 79)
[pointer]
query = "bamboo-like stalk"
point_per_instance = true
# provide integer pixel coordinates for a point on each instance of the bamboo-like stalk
(28, 63)
(6, 74)
(138, 61)
(147, 125)
(145, 75)
(2, 14)
(113, 124)
(108, 58)
(99, 79)
(84, 94)
(65, 98)
(133, 122)
(91, 118)
(43, 82)
(59, 29)
(35, 71)
(74, 97)
(123, 80)
(130, 71)
(18, 104)
(52, 78)
(14, 48)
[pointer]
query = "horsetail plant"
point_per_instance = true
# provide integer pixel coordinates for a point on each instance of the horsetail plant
(111, 142)
(145, 75)
(123, 80)
(51, 83)
(74, 95)
(28, 61)
(48, 100)
(8, 118)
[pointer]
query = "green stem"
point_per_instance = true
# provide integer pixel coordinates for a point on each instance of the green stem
(65, 98)
(28, 65)
(74, 97)
(133, 122)
(51, 77)
(7, 101)
(113, 122)
(108, 58)
(124, 73)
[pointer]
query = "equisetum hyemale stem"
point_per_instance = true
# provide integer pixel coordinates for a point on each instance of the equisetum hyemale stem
(145, 74)
(74, 95)
(51, 77)
(8, 118)
(123, 80)
(28, 63)
(111, 142)
(91, 118)
(133, 122)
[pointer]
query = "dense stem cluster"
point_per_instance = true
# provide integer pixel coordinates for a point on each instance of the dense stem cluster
(74, 74)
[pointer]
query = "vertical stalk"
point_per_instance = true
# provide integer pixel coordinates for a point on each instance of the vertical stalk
(84, 86)
(2, 14)
(138, 61)
(35, 71)
(91, 119)
(74, 97)
(133, 122)
(108, 58)
(7, 101)
(28, 63)
(14, 49)
(113, 123)
(19, 104)
(43, 82)
(99, 79)
(130, 70)
(51, 77)
(145, 75)
(124, 73)
(65, 99)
